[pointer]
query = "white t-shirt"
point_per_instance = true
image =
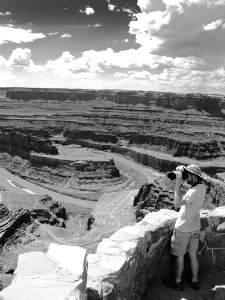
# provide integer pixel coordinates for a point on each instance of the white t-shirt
(189, 217)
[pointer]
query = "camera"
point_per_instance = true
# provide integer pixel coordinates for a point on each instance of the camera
(172, 175)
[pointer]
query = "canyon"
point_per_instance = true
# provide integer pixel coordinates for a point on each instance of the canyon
(61, 140)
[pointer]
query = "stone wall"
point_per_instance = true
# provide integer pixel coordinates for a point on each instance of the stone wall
(122, 266)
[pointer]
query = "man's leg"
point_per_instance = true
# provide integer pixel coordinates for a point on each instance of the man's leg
(179, 267)
(194, 266)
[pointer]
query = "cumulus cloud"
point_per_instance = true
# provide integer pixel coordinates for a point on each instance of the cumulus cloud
(66, 35)
(180, 27)
(132, 68)
(111, 7)
(18, 35)
(2, 60)
(212, 25)
(5, 14)
(88, 11)
(20, 58)
(53, 33)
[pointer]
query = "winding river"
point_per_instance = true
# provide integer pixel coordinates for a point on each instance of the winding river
(13, 183)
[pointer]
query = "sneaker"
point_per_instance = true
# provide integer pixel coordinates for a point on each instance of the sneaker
(195, 285)
(171, 283)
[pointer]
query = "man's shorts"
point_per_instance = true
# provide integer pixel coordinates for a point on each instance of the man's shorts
(182, 242)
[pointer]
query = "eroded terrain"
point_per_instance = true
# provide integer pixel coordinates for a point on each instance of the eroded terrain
(62, 141)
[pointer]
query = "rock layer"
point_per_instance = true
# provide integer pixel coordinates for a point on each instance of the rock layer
(23, 144)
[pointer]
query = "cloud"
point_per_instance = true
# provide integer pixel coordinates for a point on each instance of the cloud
(127, 10)
(131, 69)
(20, 58)
(5, 14)
(66, 35)
(180, 27)
(111, 7)
(2, 60)
(53, 33)
(212, 25)
(18, 35)
(88, 11)
(67, 65)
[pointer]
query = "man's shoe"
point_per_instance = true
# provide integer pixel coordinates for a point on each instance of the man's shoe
(171, 283)
(195, 285)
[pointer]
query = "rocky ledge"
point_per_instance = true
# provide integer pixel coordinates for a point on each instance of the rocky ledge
(123, 265)
(160, 194)
(22, 144)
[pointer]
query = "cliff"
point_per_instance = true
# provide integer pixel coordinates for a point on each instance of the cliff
(19, 209)
(99, 136)
(22, 144)
(194, 101)
(156, 160)
(160, 194)
(181, 148)
(200, 102)
(10, 222)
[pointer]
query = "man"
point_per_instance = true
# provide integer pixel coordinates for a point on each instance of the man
(187, 227)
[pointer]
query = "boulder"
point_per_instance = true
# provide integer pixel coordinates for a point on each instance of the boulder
(59, 274)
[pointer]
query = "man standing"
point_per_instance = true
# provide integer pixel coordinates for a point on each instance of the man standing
(187, 227)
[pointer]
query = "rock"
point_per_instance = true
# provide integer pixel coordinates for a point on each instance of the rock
(103, 136)
(57, 275)
(196, 101)
(42, 208)
(219, 293)
(13, 221)
(23, 144)
(160, 194)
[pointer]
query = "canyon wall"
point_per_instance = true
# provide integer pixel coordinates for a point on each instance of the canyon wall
(179, 148)
(131, 97)
(99, 136)
(163, 163)
(199, 102)
(22, 144)
(208, 103)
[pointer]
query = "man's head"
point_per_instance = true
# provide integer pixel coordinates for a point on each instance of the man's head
(194, 174)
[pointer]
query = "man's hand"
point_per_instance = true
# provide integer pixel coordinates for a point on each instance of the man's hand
(180, 169)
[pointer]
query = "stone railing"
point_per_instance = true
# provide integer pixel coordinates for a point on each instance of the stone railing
(122, 266)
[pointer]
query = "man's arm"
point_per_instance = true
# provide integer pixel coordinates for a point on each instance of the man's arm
(178, 202)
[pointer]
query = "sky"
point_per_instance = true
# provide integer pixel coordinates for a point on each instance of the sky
(153, 45)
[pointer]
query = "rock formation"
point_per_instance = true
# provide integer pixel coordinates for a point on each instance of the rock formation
(23, 144)
(160, 194)
(207, 103)
(194, 101)
(11, 221)
(123, 265)
(103, 136)
(58, 274)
